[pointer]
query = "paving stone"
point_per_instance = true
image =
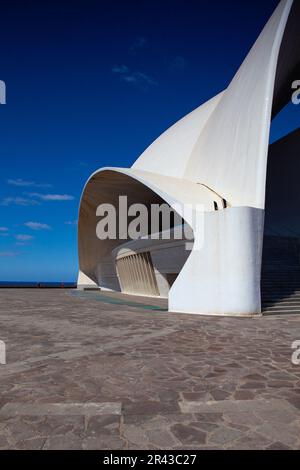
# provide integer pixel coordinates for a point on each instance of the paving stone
(295, 402)
(31, 444)
(92, 374)
(103, 425)
(250, 441)
(287, 434)
(224, 435)
(243, 395)
(219, 395)
(209, 417)
(135, 435)
(278, 446)
(196, 396)
(206, 427)
(26, 409)
(254, 377)
(150, 407)
(189, 434)
(4, 444)
(21, 431)
(253, 385)
(278, 416)
(102, 443)
(162, 438)
(247, 418)
(67, 442)
(53, 425)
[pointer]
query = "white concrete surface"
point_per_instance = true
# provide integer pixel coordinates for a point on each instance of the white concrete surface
(218, 152)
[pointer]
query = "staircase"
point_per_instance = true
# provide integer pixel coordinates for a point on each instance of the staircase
(280, 282)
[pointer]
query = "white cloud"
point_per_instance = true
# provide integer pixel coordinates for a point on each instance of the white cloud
(4, 232)
(51, 197)
(23, 183)
(120, 69)
(71, 222)
(9, 253)
(134, 77)
(37, 226)
(178, 63)
(140, 43)
(18, 201)
(23, 238)
(20, 182)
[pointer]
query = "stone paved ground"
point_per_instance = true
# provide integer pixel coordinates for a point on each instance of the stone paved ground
(82, 373)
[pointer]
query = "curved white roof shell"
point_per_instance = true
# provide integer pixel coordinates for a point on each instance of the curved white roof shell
(217, 153)
(223, 144)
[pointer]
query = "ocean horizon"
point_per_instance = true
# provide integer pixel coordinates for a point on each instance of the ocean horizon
(38, 284)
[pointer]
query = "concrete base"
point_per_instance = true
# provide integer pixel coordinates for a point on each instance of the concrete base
(85, 283)
(222, 277)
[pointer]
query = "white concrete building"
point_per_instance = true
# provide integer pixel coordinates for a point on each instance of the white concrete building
(217, 158)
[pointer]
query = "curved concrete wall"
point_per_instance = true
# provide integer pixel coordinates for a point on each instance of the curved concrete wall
(95, 258)
(164, 257)
(105, 186)
(217, 153)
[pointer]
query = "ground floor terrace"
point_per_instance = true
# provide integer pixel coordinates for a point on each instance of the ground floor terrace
(92, 370)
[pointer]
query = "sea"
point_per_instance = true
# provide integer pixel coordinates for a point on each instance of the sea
(31, 284)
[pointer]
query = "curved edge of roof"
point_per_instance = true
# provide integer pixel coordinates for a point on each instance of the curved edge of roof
(175, 191)
(169, 153)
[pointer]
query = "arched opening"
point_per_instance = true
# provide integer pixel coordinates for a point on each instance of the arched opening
(144, 266)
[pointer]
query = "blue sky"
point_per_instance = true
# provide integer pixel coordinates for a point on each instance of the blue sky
(91, 84)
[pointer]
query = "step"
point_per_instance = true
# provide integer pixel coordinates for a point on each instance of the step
(282, 301)
(285, 280)
(280, 312)
(280, 306)
(280, 298)
(286, 309)
(278, 293)
(283, 286)
(288, 292)
(279, 279)
(280, 309)
(281, 289)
